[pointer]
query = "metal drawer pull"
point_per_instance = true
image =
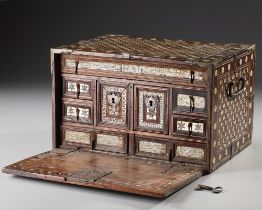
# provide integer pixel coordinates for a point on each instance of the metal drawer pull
(189, 128)
(78, 89)
(234, 89)
(216, 190)
(192, 76)
(192, 103)
(76, 65)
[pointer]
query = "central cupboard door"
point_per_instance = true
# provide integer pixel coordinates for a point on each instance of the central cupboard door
(112, 103)
(151, 109)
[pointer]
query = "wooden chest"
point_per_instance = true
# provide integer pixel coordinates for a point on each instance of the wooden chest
(145, 116)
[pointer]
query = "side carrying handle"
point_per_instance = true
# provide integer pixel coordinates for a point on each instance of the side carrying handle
(234, 89)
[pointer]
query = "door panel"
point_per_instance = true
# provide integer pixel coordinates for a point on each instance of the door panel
(112, 104)
(151, 108)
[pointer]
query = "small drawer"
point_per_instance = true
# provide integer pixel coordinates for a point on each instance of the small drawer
(76, 137)
(77, 88)
(112, 142)
(151, 108)
(152, 148)
(188, 126)
(78, 111)
(189, 153)
(192, 101)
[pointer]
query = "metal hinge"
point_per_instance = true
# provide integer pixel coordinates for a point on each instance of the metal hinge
(87, 175)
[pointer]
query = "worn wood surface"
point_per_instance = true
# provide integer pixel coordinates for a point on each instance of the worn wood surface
(128, 175)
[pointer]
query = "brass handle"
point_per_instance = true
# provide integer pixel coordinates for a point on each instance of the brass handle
(234, 89)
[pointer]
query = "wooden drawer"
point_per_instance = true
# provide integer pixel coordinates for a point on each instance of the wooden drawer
(112, 103)
(189, 101)
(74, 87)
(77, 111)
(112, 142)
(128, 69)
(152, 148)
(189, 126)
(151, 109)
(76, 137)
(188, 152)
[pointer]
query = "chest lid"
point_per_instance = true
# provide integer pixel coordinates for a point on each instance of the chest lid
(152, 49)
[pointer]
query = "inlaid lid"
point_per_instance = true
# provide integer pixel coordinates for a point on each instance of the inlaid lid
(129, 47)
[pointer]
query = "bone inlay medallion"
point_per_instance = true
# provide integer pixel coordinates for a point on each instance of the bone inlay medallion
(84, 88)
(110, 140)
(84, 113)
(152, 147)
(184, 100)
(77, 137)
(151, 109)
(71, 87)
(113, 105)
(70, 63)
(196, 127)
(71, 111)
(190, 152)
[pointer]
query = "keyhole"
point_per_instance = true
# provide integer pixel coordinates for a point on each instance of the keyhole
(150, 103)
(113, 100)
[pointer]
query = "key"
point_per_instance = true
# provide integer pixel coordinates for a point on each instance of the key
(205, 187)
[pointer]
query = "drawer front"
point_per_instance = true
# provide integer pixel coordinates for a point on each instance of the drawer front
(189, 153)
(152, 148)
(78, 111)
(112, 102)
(76, 137)
(191, 127)
(132, 69)
(151, 108)
(190, 101)
(112, 142)
(77, 88)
